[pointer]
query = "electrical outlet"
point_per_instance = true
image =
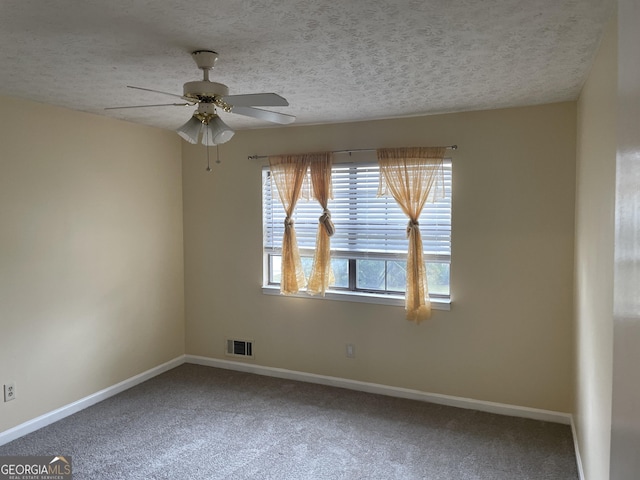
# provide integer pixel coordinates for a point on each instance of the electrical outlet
(351, 350)
(9, 391)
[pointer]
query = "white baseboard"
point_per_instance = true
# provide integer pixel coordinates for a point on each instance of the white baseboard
(576, 447)
(62, 412)
(461, 402)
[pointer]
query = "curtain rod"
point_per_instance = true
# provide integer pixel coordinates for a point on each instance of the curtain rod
(257, 157)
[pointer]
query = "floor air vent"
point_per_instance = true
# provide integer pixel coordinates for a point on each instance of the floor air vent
(240, 348)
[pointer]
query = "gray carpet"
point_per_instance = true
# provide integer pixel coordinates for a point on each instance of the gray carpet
(197, 422)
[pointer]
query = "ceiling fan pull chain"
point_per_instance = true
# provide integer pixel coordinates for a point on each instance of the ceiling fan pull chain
(207, 147)
(217, 156)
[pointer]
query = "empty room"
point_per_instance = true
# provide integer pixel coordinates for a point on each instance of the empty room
(319, 240)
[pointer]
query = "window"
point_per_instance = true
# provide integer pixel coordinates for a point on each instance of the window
(369, 247)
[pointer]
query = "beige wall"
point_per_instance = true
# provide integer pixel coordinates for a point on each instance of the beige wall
(91, 254)
(596, 166)
(508, 337)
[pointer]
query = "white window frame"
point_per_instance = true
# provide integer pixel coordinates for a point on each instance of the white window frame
(435, 226)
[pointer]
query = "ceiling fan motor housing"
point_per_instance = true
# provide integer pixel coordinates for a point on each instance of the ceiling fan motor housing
(203, 90)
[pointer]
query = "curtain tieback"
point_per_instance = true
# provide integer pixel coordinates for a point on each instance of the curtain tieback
(288, 222)
(411, 225)
(325, 220)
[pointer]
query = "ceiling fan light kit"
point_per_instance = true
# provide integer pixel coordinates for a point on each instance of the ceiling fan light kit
(190, 131)
(216, 132)
(205, 124)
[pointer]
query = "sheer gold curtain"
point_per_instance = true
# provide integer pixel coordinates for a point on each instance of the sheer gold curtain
(321, 273)
(289, 173)
(413, 176)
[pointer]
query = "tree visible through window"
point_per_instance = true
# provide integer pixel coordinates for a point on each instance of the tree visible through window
(369, 247)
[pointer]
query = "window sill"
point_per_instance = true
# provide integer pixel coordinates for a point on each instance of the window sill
(361, 297)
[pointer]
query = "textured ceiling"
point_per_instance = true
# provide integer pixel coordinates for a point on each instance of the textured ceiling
(334, 61)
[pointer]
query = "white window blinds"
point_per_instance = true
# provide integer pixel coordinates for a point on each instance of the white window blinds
(366, 226)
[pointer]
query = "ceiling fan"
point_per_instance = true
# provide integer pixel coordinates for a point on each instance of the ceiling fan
(208, 96)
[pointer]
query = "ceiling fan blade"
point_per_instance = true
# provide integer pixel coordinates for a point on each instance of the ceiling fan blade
(256, 100)
(157, 105)
(275, 117)
(155, 91)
